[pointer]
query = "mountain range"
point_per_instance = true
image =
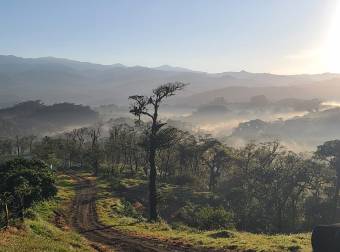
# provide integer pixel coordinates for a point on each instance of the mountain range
(62, 80)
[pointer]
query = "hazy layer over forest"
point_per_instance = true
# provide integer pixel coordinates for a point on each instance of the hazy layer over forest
(300, 110)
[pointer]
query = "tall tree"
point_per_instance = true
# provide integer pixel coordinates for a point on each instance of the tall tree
(94, 134)
(149, 106)
(330, 151)
(216, 157)
(5, 199)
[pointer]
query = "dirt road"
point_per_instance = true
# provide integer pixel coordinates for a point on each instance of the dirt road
(105, 238)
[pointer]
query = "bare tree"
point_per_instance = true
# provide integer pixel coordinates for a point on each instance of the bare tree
(149, 106)
(94, 134)
(31, 142)
(81, 137)
(18, 145)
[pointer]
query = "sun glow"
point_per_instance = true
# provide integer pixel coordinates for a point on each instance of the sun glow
(332, 59)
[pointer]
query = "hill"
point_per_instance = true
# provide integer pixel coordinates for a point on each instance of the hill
(305, 131)
(34, 117)
(326, 89)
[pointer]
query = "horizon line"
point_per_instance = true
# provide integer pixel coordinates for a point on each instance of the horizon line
(185, 68)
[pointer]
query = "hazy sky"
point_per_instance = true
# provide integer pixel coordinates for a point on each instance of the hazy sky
(290, 36)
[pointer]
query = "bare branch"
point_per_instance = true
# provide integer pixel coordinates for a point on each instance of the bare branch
(139, 105)
(167, 90)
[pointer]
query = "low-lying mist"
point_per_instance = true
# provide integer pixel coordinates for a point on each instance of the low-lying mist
(300, 125)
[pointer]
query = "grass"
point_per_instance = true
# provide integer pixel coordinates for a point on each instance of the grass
(39, 233)
(109, 209)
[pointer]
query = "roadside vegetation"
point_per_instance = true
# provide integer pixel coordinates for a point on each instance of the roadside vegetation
(127, 217)
(45, 227)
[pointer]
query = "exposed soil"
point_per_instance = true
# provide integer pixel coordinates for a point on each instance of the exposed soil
(106, 238)
(60, 220)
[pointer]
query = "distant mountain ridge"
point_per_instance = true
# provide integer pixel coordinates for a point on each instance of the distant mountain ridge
(56, 80)
(78, 65)
(173, 69)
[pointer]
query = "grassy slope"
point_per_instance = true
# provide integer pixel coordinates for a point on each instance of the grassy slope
(39, 233)
(109, 203)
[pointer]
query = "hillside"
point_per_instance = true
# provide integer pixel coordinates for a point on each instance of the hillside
(325, 90)
(34, 117)
(305, 131)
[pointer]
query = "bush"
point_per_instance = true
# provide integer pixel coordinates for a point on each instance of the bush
(129, 211)
(206, 218)
(27, 182)
(213, 218)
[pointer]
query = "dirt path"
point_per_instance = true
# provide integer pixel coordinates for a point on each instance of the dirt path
(105, 238)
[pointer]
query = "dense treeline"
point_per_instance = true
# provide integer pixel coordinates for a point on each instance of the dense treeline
(264, 187)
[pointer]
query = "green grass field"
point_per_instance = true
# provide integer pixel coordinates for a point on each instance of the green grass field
(109, 208)
(39, 233)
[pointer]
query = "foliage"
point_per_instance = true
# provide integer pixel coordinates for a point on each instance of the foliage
(39, 233)
(129, 210)
(211, 240)
(206, 217)
(266, 187)
(26, 181)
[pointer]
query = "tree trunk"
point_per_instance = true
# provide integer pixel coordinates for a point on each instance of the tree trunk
(167, 163)
(22, 209)
(336, 199)
(212, 179)
(6, 216)
(153, 215)
(70, 161)
(136, 163)
(96, 167)
(279, 219)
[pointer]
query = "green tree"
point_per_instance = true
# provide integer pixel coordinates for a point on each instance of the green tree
(22, 190)
(216, 157)
(330, 152)
(27, 181)
(5, 200)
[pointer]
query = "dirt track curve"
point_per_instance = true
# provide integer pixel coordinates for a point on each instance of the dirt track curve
(84, 219)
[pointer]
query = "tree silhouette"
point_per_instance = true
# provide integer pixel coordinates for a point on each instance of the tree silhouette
(149, 106)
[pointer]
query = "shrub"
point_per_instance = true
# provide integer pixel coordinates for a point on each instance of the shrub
(206, 217)
(129, 211)
(213, 218)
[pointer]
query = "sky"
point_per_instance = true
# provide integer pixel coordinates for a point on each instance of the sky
(284, 37)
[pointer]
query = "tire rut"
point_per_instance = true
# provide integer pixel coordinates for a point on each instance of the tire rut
(105, 238)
